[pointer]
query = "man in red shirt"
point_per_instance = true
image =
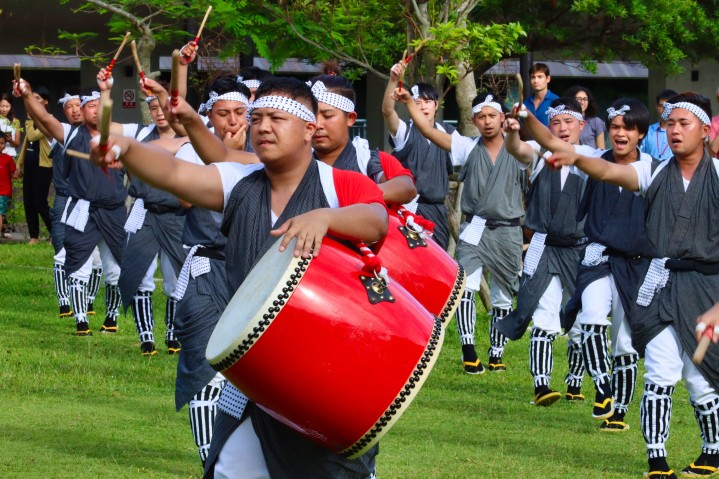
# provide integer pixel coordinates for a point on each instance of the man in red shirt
(7, 168)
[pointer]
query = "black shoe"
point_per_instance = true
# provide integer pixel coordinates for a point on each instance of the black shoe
(543, 396)
(109, 326)
(147, 348)
(659, 469)
(496, 365)
(615, 423)
(704, 466)
(83, 329)
(91, 309)
(65, 311)
(603, 406)
(472, 364)
(173, 346)
(574, 394)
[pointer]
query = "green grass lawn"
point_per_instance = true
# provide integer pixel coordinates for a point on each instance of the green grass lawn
(94, 408)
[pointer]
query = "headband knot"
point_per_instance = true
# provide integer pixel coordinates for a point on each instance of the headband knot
(319, 90)
(249, 83)
(612, 113)
(415, 92)
(86, 98)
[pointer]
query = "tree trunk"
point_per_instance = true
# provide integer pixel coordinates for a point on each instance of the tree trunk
(465, 91)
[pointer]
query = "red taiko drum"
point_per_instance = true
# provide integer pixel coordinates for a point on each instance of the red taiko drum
(325, 347)
(423, 268)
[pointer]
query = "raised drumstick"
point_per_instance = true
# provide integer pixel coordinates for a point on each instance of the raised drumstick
(401, 77)
(521, 113)
(174, 79)
(202, 25)
(704, 344)
(106, 119)
(117, 54)
(140, 71)
(16, 71)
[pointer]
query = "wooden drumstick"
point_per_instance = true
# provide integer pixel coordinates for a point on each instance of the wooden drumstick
(521, 113)
(202, 25)
(704, 343)
(419, 47)
(78, 154)
(117, 54)
(401, 77)
(140, 71)
(16, 71)
(175, 79)
(106, 119)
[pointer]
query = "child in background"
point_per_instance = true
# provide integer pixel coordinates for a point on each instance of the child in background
(7, 168)
(9, 126)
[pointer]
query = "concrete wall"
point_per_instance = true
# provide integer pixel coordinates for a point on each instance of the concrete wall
(706, 82)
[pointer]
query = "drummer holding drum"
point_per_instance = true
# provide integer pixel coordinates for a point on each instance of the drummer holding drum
(290, 195)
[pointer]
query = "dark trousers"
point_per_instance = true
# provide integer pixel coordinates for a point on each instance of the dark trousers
(35, 189)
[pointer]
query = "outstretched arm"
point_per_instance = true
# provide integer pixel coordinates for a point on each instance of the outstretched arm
(624, 176)
(198, 184)
(515, 146)
(207, 145)
(391, 119)
(543, 136)
(440, 138)
(37, 111)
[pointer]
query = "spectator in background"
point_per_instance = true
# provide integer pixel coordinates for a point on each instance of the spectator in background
(593, 132)
(9, 125)
(7, 168)
(539, 101)
(34, 165)
(656, 143)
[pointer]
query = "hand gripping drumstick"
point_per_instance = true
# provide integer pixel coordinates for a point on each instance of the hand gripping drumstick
(174, 79)
(202, 25)
(117, 54)
(404, 61)
(704, 343)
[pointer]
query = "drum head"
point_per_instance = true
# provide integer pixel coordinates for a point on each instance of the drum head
(253, 297)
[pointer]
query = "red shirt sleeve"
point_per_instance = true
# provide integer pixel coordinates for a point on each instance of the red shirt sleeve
(353, 188)
(11, 162)
(392, 167)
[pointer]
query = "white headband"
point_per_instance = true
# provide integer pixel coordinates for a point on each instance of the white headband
(249, 83)
(563, 110)
(701, 114)
(67, 98)
(319, 90)
(94, 96)
(285, 104)
(214, 98)
(612, 113)
(415, 92)
(487, 102)
(148, 99)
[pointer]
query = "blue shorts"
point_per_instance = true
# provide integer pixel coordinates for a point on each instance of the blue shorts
(4, 203)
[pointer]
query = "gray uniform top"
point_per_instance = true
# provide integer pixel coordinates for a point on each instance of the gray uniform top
(492, 190)
(681, 225)
(140, 189)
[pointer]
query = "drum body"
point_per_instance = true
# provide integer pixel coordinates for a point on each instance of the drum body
(302, 339)
(423, 268)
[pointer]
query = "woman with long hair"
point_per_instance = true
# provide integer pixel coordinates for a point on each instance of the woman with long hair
(593, 132)
(9, 125)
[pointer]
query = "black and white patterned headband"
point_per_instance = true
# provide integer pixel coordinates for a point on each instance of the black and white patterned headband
(214, 98)
(94, 96)
(415, 92)
(612, 113)
(698, 112)
(319, 90)
(285, 104)
(249, 83)
(487, 102)
(148, 99)
(563, 110)
(67, 98)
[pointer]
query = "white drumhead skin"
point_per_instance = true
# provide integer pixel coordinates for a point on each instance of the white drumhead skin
(251, 300)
